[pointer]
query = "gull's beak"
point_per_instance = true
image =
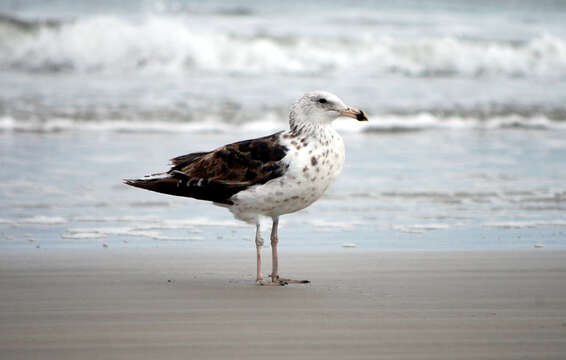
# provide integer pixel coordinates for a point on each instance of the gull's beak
(354, 113)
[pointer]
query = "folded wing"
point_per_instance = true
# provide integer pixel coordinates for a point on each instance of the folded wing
(219, 174)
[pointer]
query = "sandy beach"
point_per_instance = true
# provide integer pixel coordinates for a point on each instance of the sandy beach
(200, 304)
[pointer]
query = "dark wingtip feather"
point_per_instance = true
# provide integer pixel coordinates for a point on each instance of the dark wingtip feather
(131, 182)
(139, 183)
(188, 187)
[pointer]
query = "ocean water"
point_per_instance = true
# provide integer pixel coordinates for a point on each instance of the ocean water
(465, 148)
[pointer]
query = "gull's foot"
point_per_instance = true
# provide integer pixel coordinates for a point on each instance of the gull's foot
(290, 281)
(271, 283)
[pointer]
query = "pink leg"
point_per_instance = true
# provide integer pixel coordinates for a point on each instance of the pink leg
(259, 279)
(275, 257)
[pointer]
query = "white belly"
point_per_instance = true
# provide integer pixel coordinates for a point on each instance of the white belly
(312, 169)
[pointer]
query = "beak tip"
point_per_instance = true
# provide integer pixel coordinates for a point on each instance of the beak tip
(361, 116)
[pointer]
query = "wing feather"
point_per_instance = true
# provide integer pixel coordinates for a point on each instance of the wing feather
(218, 175)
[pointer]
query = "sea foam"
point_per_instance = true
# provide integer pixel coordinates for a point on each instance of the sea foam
(378, 123)
(168, 43)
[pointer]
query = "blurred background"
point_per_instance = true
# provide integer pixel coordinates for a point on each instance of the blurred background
(465, 147)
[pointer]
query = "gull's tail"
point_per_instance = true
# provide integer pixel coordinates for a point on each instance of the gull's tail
(162, 183)
(178, 183)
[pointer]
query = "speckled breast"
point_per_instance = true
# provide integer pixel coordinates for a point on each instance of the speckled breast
(314, 164)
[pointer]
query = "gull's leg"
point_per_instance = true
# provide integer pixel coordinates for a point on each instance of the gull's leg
(275, 257)
(258, 245)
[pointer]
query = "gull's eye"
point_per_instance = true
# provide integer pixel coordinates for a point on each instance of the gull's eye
(322, 101)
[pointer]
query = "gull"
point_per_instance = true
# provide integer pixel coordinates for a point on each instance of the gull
(269, 176)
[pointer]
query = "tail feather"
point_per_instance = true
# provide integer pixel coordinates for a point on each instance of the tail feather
(173, 183)
(165, 184)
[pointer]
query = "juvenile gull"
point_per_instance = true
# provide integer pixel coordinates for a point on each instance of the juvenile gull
(268, 176)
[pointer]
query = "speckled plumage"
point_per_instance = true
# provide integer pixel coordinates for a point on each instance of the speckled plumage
(312, 162)
(269, 176)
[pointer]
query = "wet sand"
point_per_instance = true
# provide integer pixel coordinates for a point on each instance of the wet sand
(197, 304)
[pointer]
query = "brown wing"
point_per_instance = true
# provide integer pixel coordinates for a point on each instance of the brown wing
(219, 174)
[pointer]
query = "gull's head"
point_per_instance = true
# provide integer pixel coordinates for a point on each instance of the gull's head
(321, 107)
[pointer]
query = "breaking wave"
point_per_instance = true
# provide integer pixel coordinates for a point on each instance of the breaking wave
(378, 123)
(169, 43)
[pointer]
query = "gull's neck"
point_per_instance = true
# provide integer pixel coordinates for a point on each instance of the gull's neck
(300, 127)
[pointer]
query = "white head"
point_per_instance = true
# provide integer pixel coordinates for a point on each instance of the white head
(320, 108)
